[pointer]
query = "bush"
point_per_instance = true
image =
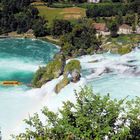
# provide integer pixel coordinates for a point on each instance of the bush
(37, 77)
(60, 5)
(79, 41)
(124, 50)
(53, 70)
(71, 66)
(92, 117)
(60, 27)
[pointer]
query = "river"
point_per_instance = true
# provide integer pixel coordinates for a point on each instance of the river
(118, 75)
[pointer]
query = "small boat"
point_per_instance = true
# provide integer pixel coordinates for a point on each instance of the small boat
(10, 83)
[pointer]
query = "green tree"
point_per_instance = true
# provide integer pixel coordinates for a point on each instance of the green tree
(119, 18)
(91, 117)
(113, 27)
(40, 27)
(60, 27)
(20, 16)
(82, 40)
(130, 19)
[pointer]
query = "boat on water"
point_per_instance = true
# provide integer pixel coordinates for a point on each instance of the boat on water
(10, 83)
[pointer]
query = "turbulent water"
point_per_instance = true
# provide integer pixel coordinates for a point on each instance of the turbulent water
(19, 59)
(114, 74)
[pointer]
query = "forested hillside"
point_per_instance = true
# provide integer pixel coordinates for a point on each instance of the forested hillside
(20, 16)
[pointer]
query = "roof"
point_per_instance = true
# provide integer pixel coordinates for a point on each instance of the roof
(94, 1)
(125, 26)
(100, 26)
(30, 31)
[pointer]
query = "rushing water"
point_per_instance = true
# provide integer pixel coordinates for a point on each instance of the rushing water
(20, 58)
(114, 74)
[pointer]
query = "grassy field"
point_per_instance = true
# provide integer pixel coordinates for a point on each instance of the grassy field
(60, 13)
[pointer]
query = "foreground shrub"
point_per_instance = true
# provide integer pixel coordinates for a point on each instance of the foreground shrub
(92, 117)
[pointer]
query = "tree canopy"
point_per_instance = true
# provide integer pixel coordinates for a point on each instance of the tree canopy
(20, 16)
(82, 40)
(111, 9)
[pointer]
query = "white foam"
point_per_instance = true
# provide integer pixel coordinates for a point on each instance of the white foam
(17, 64)
(47, 97)
(115, 82)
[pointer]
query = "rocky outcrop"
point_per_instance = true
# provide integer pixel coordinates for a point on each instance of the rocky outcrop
(71, 74)
(71, 66)
(65, 81)
(75, 75)
(57, 67)
(124, 49)
(53, 70)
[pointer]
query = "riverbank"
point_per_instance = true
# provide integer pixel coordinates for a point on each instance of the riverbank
(103, 74)
(30, 35)
(106, 74)
(123, 44)
(51, 40)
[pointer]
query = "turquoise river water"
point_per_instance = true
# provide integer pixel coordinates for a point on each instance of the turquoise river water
(20, 58)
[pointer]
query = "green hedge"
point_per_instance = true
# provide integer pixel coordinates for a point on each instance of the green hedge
(110, 9)
(61, 5)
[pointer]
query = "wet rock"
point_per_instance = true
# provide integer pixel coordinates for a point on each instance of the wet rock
(131, 61)
(108, 70)
(75, 75)
(65, 81)
(93, 61)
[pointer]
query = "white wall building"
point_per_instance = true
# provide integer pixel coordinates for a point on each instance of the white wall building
(125, 29)
(94, 1)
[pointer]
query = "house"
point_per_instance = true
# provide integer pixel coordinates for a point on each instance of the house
(125, 29)
(101, 28)
(93, 1)
(138, 30)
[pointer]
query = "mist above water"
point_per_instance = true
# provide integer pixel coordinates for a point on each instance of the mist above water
(19, 59)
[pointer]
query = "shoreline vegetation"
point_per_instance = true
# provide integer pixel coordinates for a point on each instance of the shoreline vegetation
(78, 31)
(56, 68)
(90, 117)
(126, 43)
(31, 36)
(109, 44)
